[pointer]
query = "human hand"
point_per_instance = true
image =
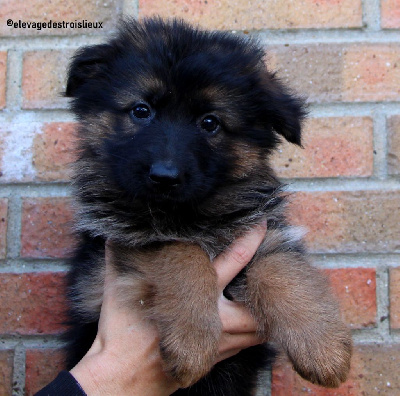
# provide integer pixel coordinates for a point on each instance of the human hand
(125, 359)
(238, 326)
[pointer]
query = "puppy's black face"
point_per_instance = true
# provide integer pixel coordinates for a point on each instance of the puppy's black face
(169, 114)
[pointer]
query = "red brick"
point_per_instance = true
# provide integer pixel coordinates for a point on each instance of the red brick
(394, 145)
(356, 290)
(306, 69)
(3, 77)
(32, 303)
(6, 372)
(58, 11)
(53, 151)
(349, 221)
(44, 79)
(395, 298)
(333, 72)
(46, 228)
(335, 146)
(371, 72)
(3, 227)
(374, 371)
(42, 366)
(390, 14)
(259, 14)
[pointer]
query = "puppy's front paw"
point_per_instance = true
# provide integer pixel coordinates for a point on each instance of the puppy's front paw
(322, 359)
(190, 356)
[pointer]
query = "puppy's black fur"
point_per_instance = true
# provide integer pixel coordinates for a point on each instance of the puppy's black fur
(176, 128)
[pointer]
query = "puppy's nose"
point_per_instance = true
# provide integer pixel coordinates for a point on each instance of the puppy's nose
(165, 175)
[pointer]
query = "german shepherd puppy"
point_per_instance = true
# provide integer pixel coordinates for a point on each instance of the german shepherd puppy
(176, 127)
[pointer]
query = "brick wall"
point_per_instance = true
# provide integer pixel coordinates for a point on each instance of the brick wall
(344, 55)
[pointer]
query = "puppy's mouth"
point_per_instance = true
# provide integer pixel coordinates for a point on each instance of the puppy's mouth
(173, 198)
(166, 197)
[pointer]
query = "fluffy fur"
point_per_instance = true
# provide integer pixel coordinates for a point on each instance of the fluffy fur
(176, 129)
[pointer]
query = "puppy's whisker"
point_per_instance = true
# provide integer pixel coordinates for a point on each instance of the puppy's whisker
(118, 156)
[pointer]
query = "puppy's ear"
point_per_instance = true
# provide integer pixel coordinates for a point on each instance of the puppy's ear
(287, 111)
(88, 63)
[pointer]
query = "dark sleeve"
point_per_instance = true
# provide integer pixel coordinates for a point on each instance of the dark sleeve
(64, 385)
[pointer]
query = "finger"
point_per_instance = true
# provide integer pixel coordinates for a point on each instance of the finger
(238, 255)
(235, 317)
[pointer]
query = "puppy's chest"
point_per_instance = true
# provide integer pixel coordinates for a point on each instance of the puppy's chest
(162, 240)
(162, 250)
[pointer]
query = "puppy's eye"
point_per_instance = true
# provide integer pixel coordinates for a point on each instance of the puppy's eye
(210, 124)
(141, 111)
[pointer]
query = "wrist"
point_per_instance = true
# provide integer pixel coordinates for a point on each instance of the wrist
(102, 374)
(92, 377)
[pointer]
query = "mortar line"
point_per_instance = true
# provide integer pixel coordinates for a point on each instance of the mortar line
(322, 260)
(395, 336)
(371, 15)
(19, 370)
(14, 80)
(371, 335)
(14, 226)
(39, 115)
(382, 302)
(355, 260)
(35, 190)
(266, 37)
(328, 36)
(328, 109)
(356, 109)
(33, 43)
(21, 266)
(342, 184)
(31, 341)
(380, 146)
(391, 183)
